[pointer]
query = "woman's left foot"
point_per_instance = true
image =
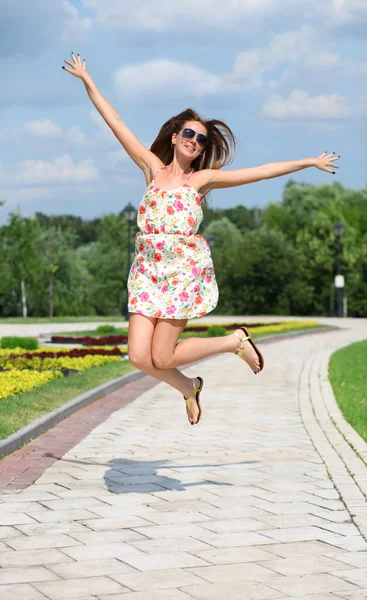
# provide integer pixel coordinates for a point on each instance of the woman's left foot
(193, 408)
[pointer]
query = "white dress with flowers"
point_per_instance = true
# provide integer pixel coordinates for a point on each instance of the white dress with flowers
(172, 274)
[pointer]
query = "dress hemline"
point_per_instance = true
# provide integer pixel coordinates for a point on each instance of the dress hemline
(175, 317)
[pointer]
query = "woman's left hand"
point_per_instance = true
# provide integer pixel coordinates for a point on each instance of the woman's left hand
(325, 161)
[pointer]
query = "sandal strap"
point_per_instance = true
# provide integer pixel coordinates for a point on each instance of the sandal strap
(194, 390)
(243, 339)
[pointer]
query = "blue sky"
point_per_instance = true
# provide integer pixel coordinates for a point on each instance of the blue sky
(288, 77)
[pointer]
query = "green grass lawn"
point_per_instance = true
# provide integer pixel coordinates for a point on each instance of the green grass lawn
(18, 411)
(348, 377)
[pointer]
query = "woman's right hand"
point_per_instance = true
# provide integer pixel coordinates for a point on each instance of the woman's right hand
(78, 68)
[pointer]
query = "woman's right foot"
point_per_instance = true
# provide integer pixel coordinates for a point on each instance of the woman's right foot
(249, 352)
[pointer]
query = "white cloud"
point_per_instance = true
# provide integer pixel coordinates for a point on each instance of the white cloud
(288, 56)
(44, 128)
(75, 27)
(60, 170)
(343, 11)
(75, 137)
(160, 16)
(169, 79)
(300, 106)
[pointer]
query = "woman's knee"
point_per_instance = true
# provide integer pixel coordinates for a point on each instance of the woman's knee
(160, 361)
(141, 361)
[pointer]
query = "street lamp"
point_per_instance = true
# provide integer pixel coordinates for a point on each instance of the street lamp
(339, 278)
(129, 214)
(210, 239)
(84, 283)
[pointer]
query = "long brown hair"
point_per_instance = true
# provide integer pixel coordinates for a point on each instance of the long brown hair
(218, 152)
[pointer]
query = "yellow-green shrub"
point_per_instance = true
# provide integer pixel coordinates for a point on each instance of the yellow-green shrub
(64, 362)
(16, 382)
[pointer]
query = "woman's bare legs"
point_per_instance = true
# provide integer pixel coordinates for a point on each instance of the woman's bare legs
(166, 355)
(141, 331)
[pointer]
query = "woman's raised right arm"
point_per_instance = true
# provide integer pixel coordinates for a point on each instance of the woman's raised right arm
(142, 156)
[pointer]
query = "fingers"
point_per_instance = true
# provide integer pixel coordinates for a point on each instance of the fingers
(76, 60)
(75, 65)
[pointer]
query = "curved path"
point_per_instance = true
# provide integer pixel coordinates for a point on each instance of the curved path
(264, 499)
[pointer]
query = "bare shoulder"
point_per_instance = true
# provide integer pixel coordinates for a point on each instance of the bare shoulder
(202, 180)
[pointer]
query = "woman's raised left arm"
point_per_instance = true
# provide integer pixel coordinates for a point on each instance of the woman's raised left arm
(218, 178)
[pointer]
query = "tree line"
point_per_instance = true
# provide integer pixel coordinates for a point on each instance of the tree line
(281, 259)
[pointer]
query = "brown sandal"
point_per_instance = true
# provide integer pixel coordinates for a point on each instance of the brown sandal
(240, 352)
(195, 397)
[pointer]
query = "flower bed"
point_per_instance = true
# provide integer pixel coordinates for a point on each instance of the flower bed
(110, 340)
(47, 364)
(271, 327)
(16, 382)
(22, 370)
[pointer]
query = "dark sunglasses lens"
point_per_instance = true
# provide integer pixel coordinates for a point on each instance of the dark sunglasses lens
(188, 133)
(202, 139)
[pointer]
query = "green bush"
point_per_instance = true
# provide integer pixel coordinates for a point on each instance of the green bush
(19, 342)
(216, 331)
(106, 329)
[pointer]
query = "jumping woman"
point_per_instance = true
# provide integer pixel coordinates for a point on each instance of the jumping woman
(172, 277)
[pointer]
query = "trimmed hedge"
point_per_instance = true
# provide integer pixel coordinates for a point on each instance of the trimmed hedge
(27, 343)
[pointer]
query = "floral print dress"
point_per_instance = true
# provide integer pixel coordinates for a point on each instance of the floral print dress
(172, 275)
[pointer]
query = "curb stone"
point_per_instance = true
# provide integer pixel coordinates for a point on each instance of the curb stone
(49, 420)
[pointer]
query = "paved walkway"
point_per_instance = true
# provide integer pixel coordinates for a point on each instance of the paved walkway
(264, 499)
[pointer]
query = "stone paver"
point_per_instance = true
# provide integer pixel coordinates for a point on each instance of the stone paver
(259, 496)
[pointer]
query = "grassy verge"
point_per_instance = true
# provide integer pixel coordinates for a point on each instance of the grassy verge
(33, 320)
(348, 376)
(18, 411)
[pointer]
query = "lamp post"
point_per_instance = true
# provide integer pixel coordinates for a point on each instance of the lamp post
(339, 278)
(210, 239)
(84, 283)
(129, 214)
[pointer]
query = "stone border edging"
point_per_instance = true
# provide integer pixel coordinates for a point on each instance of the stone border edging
(344, 466)
(50, 419)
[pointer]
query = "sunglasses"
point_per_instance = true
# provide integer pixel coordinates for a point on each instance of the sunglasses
(189, 134)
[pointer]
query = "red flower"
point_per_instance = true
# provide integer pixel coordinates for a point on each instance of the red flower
(141, 247)
(158, 314)
(157, 257)
(153, 204)
(140, 259)
(175, 281)
(170, 210)
(154, 279)
(191, 221)
(142, 210)
(178, 196)
(197, 200)
(199, 300)
(192, 245)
